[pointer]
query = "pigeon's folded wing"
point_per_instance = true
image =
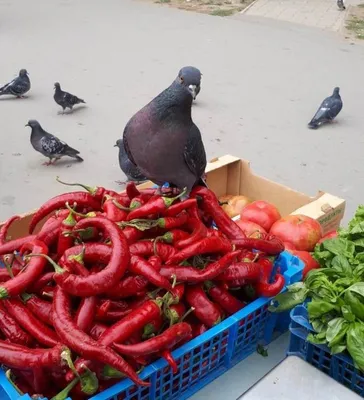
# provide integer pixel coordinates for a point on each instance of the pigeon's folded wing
(52, 145)
(323, 112)
(194, 153)
(69, 98)
(7, 86)
(17, 87)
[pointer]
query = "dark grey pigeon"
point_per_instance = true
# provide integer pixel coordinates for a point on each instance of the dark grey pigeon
(49, 145)
(65, 99)
(130, 170)
(192, 77)
(164, 143)
(328, 110)
(341, 5)
(18, 86)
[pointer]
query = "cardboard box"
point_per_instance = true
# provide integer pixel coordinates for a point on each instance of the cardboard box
(232, 175)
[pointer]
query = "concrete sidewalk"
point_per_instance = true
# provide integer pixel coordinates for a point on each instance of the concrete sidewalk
(322, 14)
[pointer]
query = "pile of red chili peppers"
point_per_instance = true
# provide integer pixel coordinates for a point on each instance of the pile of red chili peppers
(110, 282)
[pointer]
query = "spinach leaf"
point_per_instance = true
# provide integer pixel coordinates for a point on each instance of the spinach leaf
(347, 313)
(353, 300)
(340, 246)
(355, 343)
(320, 338)
(286, 301)
(340, 264)
(316, 308)
(318, 325)
(339, 348)
(336, 331)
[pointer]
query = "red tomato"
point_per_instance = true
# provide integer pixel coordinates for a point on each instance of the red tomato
(251, 229)
(303, 232)
(308, 260)
(288, 246)
(329, 235)
(262, 213)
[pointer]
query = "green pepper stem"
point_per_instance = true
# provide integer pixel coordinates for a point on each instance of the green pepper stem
(66, 356)
(90, 189)
(9, 266)
(8, 375)
(78, 257)
(73, 210)
(57, 268)
(89, 381)
(118, 205)
(187, 313)
(170, 200)
(63, 394)
(25, 297)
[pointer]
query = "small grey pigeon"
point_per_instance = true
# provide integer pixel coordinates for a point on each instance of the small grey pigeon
(164, 143)
(65, 99)
(49, 145)
(341, 5)
(328, 110)
(129, 169)
(192, 77)
(18, 86)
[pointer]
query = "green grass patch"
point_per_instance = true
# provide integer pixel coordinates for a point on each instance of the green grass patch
(356, 25)
(223, 12)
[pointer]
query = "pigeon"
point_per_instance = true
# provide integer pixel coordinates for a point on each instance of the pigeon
(192, 77)
(65, 99)
(18, 86)
(49, 145)
(130, 170)
(164, 143)
(328, 110)
(341, 5)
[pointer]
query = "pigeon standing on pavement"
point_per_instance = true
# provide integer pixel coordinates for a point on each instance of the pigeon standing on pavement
(162, 140)
(130, 170)
(328, 110)
(65, 99)
(341, 5)
(49, 145)
(18, 86)
(192, 77)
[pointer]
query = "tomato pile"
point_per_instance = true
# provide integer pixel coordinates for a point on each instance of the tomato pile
(105, 283)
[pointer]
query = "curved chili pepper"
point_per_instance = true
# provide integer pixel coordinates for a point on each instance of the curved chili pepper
(105, 279)
(164, 251)
(11, 329)
(266, 289)
(178, 292)
(16, 356)
(42, 309)
(199, 231)
(123, 329)
(82, 199)
(132, 234)
(210, 204)
(91, 252)
(203, 246)
(139, 266)
(35, 267)
(223, 298)
(84, 317)
(131, 190)
(113, 213)
(138, 202)
(50, 232)
(112, 315)
(128, 286)
(172, 222)
(41, 282)
(248, 271)
(173, 236)
(5, 228)
(65, 240)
(193, 275)
(97, 330)
(166, 354)
(270, 245)
(156, 205)
(153, 327)
(175, 312)
(42, 333)
(214, 232)
(175, 209)
(83, 344)
(199, 329)
(166, 340)
(204, 309)
(15, 245)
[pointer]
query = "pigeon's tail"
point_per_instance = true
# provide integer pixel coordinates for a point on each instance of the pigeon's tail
(3, 90)
(202, 182)
(313, 124)
(70, 152)
(78, 158)
(80, 100)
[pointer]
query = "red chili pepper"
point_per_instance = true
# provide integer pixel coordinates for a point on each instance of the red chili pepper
(193, 275)
(139, 266)
(266, 268)
(166, 340)
(146, 249)
(15, 245)
(113, 213)
(42, 333)
(166, 354)
(47, 292)
(123, 329)
(107, 278)
(50, 233)
(5, 228)
(175, 312)
(112, 315)
(132, 234)
(173, 236)
(210, 204)
(92, 253)
(203, 246)
(137, 202)
(35, 267)
(16, 356)
(128, 286)
(65, 240)
(131, 190)
(175, 209)
(82, 199)
(41, 282)
(179, 291)
(153, 327)
(156, 205)
(214, 232)
(199, 231)
(172, 222)
(204, 309)
(11, 329)
(83, 344)
(223, 298)
(248, 271)
(199, 329)
(41, 309)
(85, 314)
(270, 245)
(266, 289)
(235, 283)
(97, 330)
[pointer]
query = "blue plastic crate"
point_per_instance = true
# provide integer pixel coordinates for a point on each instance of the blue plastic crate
(339, 366)
(204, 358)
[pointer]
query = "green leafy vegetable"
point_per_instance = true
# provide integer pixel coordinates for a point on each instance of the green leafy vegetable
(354, 343)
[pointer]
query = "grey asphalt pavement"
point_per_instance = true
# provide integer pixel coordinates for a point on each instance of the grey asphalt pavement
(262, 82)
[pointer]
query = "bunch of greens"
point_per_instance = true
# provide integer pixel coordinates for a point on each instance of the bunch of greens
(335, 292)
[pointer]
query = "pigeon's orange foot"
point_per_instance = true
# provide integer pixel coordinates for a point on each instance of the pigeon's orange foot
(47, 163)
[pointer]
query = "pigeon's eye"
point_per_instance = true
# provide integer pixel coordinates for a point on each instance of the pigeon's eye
(181, 79)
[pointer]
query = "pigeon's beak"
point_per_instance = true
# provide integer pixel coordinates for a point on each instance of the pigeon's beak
(115, 145)
(192, 89)
(27, 125)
